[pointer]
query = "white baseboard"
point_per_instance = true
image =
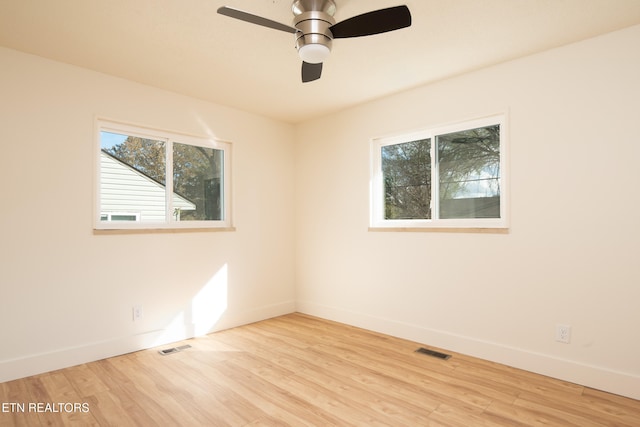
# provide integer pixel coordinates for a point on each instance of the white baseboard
(63, 358)
(596, 377)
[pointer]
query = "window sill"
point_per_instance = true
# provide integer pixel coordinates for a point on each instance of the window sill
(107, 231)
(479, 230)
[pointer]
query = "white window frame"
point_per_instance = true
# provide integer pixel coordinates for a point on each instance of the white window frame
(168, 138)
(377, 220)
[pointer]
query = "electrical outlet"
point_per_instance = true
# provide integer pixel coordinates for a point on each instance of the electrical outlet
(563, 333)
(137, 312)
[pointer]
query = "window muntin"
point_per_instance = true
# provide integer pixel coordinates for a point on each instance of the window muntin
(168, 180)
(460, 182)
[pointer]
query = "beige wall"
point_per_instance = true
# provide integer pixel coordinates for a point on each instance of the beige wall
(571, 255)
(67, 293)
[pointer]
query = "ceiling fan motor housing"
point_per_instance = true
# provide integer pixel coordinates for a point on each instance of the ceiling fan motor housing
(313, 18)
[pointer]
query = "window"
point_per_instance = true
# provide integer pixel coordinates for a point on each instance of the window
(155, 179)
(446, 177)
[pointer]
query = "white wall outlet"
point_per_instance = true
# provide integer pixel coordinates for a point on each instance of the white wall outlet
(563, 333)
(137, 312)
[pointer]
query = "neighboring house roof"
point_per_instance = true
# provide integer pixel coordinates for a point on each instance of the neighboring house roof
(124, 188)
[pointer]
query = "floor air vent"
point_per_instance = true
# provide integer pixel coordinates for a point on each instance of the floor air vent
(172, 350)
(433, 353)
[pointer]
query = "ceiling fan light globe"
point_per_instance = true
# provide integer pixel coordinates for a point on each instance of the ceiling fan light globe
(314, 53)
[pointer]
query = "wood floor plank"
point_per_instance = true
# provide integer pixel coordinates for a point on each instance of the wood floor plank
(390, 388)
(163, 379)
(342, 378)
(517, 379)
(536, 415)
(18, 392)
(299, 370)
(346, 409)
(275, 400)
(59, 390)
(6, 417)
(84, 380)
(339, 378)
(453, 416)
(121, 404)
(432, 384)
(144, 390)
(582, 411)
(189, 402)
(326, 364)
(622, 409)
(108, 410)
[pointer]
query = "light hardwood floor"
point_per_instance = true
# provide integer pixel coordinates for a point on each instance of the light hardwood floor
(299, 370)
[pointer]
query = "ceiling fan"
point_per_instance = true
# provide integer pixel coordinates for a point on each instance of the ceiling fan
(315, 28)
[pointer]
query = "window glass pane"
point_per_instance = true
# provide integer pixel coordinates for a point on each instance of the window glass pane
(132, 177)
(406, 172)
(469, 168)
(197, 183)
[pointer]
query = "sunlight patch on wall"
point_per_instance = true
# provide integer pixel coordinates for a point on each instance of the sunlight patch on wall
(210, 303)
(200, 316)
(175, 331)
(205, 126)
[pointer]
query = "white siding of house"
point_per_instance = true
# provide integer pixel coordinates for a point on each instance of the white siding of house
(125, 190)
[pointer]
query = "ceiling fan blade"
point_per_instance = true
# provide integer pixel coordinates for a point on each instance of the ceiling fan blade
(311, 72)
(254, 19)
(376, 22)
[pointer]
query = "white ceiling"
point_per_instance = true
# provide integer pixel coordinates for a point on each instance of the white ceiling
(186, 47)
